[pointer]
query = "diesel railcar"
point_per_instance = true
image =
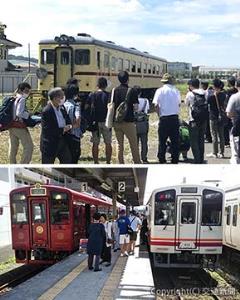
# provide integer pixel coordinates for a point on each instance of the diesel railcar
(87, 58)
(48, 221)
(186, 226)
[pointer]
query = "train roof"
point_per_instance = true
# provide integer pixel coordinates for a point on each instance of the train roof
(232, 188)
(85, 39)
(85, 197)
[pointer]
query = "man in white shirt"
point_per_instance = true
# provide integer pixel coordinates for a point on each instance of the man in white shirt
(167, 100)
(21, 133)
(135, 224)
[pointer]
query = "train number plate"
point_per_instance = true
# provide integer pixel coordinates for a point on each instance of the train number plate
(187, 245)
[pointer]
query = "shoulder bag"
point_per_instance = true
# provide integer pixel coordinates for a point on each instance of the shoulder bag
(110, 112)
(222, 117)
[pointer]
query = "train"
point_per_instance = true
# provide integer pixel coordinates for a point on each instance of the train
(86, 59)
(48, 221)
(231, 233)
(186, 226)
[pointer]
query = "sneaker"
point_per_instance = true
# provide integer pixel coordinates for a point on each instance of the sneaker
(102, 261)
(121, 254)
(126, 253)
(97, 270)
(90, 268)
(108, 264)
(211, 155)
(220, 155)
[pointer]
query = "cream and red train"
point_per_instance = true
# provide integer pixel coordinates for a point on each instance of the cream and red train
(186, 225)
(87, 58)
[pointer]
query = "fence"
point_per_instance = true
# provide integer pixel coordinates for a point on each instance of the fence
(9, 82)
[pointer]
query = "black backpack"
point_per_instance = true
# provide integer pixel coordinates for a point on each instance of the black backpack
(6, 112)
(199, 108)
(122, 109)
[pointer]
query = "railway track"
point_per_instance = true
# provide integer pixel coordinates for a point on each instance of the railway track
(16, 276)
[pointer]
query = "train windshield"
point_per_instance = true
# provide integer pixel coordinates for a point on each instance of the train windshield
(212, 208)
(19, 208)
(39, 213)
(59, 208)
(165, 208)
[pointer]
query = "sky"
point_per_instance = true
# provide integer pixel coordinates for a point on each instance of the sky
(164, 176)
(202, 32)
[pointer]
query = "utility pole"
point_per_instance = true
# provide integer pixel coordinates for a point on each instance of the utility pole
(29, 62)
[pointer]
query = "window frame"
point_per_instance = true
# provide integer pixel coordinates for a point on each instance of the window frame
(47, 61)
(82, 61)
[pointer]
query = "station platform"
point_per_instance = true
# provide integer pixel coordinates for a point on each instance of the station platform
(127, 278)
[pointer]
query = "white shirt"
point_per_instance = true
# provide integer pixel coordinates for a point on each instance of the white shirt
(168, 99)
(19, 110)
(234, 105)
(60, 119)
(190, 99)
(108, 230)
(141, 105)
(135, 221)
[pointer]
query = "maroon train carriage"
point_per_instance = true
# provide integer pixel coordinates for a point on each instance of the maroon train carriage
(48, 221)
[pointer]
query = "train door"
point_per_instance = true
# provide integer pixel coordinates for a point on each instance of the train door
(87, 217)
(187, 231)
(228, 221)
(234, 229)
(39, 228)
(63, 65)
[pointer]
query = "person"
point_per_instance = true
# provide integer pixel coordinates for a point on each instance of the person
(197, 129)
(229, 92)
(127, 127)
(233, 112)
(135, 224)
(208, 91)
(55, 124)
(106, 253)
(74, 112)
(216, 102)
(167, 101)
(99, 100)
(115, 230)
(123, 225)
(142, 124)
(17, 134)
(144, 230)
(96, 240)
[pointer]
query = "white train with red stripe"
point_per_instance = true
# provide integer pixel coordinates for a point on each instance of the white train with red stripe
(186, 225)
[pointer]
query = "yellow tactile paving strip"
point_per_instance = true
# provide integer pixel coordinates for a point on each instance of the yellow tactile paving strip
(64, 282)
(112, 283)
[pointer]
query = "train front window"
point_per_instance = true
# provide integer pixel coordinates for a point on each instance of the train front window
(47, 57)
(65, 59)
(38, 213)
(59, 208)
(212, 208)
(19, 209)
(188, 213)
(165, 208)
(82, 57)
(234, 219)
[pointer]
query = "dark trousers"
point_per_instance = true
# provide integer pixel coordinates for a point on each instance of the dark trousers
(143, 138)
(74, 144)
(168, 128)
(197, 132)
(106, 254)
(227, 130)
(90, 261)
(63, 154)
(208, 132)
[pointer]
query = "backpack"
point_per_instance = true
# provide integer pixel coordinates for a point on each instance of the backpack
(122, 109)
(199, 108)
(6, 112)
(184, 138)
(89, 114)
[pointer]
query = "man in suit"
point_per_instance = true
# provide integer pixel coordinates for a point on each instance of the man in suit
(55, 125)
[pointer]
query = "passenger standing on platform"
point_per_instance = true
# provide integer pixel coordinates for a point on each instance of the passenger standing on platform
(99, 102)
(233, 112)
(107, 247)
(144, 230)
(124, 238)
(208, 92)
(74, 112)
(55, 124)
(167, 100)
(20, 133)
(127, 127)
(96, 240)
(115, 234)
(135, 224)
(197, 129)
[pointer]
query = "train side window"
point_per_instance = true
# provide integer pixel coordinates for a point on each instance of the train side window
(165, 208)
(106, 60)
(154, 69)
(19, 208)
(212, 208)
(235, 211)
(139, 67)
(228, 211)
(133, 67)
(99, 59)
(65, 58)
(47, 57)
(144, 68)
(82, 57)
(188, 213)
(38, 213)
(149, 69)
(127, 65)
(113, 63)
(59, 208)
(157, 70)
(120, 64)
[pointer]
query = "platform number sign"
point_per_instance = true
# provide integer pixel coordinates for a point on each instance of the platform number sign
(121, 186)
(84, 186)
